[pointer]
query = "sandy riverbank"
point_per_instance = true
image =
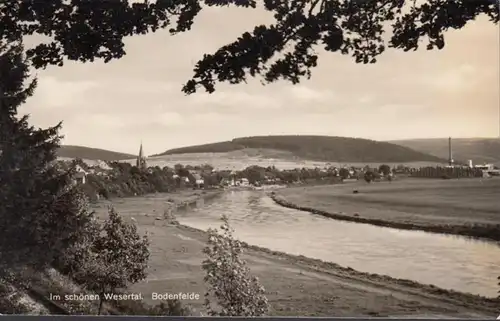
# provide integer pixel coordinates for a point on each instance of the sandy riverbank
(466, 207)
(296, 286)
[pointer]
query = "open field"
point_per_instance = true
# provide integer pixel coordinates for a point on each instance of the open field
(417, 202)
(296, 286)
(240, 159)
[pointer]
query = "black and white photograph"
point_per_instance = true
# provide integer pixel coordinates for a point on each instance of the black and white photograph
(250, 158)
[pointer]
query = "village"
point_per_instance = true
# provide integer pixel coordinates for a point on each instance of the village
(254, 176)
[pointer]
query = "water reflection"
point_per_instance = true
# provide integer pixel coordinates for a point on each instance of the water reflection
(446, 261)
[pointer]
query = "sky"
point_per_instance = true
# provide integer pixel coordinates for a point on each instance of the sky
(423, 94)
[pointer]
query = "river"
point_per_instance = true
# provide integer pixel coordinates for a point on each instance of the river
(450, 262)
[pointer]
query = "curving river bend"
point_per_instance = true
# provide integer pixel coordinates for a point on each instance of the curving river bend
(449, 262)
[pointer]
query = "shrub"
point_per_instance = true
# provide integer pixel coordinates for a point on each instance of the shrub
(236, 292)
(369, 176)
(117, 258)
(344, 173)
(10, 300)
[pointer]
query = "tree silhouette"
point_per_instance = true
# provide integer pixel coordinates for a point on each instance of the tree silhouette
(42, 213)
(84, 30)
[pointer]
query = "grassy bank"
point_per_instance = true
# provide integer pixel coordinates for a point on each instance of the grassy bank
(296, 285)
(458, 207)
(40, 297)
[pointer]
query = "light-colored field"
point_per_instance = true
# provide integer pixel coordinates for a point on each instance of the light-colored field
(238, 160)
(416, 201)
(296, 286)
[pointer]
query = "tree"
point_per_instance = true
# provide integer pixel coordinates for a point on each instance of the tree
(228, 277)
(41, 213)
(255, 174)
(384, 169)
(117, 258)
(89, 30)
(369, 176)
(344, 173)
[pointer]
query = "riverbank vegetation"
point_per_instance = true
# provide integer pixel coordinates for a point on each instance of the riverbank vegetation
(123, 179)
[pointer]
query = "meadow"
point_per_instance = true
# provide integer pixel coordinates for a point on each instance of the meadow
(424, 202)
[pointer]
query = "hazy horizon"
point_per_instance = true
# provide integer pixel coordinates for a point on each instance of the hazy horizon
(211, 142)
(423, 94)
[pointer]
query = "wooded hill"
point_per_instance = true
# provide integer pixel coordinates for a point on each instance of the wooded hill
(71, 151)
(479, 150)
(321, 148)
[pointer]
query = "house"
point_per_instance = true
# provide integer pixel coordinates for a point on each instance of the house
(244, 182)
(102, 165)
(199, 181)
(80, 176)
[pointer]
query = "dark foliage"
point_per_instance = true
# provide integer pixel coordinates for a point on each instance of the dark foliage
(221, 147)
(87, 30)
(91, 153)
(127, 180)
(369, 176)
(10, 302)
(344, 173)
(384, 169)
(325, 148)
(41, 213)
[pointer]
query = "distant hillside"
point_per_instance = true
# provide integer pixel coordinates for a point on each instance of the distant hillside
(70, 151)
(479, 150)
(321, 148)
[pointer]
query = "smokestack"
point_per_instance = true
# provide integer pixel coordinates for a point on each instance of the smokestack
(470, 163)
(450, 155)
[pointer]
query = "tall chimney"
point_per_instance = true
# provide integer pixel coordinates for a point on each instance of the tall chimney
(450, 155)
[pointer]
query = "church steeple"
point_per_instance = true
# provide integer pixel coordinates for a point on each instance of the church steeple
(141, 160)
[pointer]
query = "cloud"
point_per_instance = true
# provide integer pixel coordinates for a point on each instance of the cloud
(236, 100)
(304, 93)
(116, 104)
(53, 93)
(452, 80)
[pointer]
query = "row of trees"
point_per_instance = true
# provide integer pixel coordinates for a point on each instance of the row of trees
(46, 222)
(125, 179)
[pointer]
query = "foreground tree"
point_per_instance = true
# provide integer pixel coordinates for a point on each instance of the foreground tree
(118, 257)
(88, 30)
(237, 293)
(40, 211)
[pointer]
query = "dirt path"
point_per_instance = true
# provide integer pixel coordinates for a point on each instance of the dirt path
(298, 286)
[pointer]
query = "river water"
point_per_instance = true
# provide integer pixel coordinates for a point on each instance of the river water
(449, 262)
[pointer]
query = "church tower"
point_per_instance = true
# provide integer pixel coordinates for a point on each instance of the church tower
(141, 160)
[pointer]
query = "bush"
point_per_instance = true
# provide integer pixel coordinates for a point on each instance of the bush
(229, 281)
(369, 176)
(115, 259)
(10, 300)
